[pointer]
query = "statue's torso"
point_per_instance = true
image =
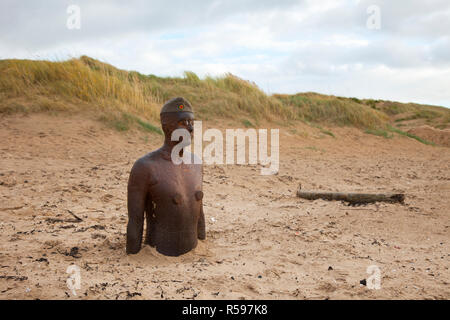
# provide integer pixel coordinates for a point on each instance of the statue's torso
(175, 192)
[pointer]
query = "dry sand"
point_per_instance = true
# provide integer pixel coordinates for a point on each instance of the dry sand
(262, 241)
(436, 136)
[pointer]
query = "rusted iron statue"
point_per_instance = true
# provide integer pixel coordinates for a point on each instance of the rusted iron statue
(170, 194)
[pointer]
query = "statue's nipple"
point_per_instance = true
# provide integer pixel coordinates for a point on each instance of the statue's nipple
(177, 199)
(199, 195)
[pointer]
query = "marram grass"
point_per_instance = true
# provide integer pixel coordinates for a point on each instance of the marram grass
(86, 84)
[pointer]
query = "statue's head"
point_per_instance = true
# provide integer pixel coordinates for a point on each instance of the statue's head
(177, 113)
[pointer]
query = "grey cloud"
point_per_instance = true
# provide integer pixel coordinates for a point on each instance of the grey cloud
(39, 24)
(329, 59)
(298, 48)
(414, 18)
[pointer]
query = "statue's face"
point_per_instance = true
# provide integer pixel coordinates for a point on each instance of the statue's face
(177, 120)
(186, 121)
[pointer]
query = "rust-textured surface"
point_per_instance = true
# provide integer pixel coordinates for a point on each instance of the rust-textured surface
(166, 195)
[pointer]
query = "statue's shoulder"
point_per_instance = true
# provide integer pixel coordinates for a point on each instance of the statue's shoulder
(146, 167)
(151, 157)
(147, 162)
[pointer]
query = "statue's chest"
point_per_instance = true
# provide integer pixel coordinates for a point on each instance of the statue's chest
(178, 185)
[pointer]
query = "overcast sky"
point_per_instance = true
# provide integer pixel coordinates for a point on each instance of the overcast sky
(335, 47)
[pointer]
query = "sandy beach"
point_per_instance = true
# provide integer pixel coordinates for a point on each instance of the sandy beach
(262, 241)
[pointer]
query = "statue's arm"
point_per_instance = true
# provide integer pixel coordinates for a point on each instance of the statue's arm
(150, 215)
(201, 232)
(137, 191)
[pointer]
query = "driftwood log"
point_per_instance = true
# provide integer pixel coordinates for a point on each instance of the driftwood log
(352, 198)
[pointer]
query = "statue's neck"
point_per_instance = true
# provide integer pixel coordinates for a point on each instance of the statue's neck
(168, 146)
